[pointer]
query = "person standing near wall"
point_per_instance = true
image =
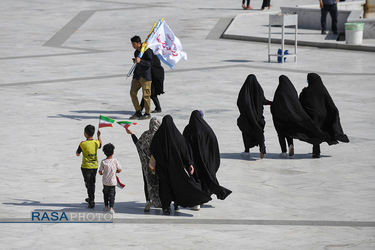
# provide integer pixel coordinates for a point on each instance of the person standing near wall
(331, 7)
(266, 3)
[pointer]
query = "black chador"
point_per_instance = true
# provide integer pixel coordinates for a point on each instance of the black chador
(319, 105)
(204, 149)
(251, 120)
(289, 117)
(173, 160)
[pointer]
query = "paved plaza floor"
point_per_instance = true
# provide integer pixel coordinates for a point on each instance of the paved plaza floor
(64, 63)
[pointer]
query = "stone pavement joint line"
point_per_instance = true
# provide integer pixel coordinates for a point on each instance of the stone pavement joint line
(251, 222)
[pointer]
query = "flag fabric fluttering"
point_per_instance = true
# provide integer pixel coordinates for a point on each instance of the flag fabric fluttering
(144, 44)
(126, 124)
(105, 122)
(166, 45)
(119, 184)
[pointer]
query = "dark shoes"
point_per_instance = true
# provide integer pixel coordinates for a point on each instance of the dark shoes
(145, 117)
(91, 203)
(176, 207)
(316, 155)
(324, 32)
(136, 116)
(166, 211)
(156, 111)
(335, 32)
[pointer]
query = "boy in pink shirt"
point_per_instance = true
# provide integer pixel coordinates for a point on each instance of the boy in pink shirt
(108, 169)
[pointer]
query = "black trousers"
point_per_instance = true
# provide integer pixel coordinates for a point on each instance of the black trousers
(316, 149)
(266, 3)
(332, 10)
(247, 2)
(89, 176)
(282, 142)
(109, 195)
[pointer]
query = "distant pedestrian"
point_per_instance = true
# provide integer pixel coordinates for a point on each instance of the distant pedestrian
(266, 3)
(331, 7)
(89, 165)
(247, 6)
(108, 169)
(251, 120)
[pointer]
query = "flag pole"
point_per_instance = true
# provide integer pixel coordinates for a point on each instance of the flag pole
(144, 45)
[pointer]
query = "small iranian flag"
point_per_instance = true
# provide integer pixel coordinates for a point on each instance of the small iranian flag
(105, 122)
(126, 124)
(119, 184)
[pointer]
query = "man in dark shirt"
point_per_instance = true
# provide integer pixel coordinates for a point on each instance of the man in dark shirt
(141, 79)
(331, 7)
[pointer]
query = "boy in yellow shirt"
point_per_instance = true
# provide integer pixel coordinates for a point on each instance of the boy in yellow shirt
(89, 165)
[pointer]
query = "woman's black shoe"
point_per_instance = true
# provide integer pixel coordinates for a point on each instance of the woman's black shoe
(176, 207)
(166, 211)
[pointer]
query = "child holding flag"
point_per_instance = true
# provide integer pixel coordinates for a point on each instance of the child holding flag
(89, 164)
(108, 169)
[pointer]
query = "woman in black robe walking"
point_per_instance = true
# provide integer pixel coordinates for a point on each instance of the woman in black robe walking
(205, 152)
(177, 180)
(157, 84)
(290, 119)
(251, 120)
(318, 104)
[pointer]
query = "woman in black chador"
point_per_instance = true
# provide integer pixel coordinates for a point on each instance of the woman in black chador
(251, 121)
(290, 119)
(319, 105)
(204, 149)
(177, 180)
(157, 84)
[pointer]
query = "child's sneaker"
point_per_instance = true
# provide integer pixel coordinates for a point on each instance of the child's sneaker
(111, 211)
(106, 209)
(249, 7)
(91, 204)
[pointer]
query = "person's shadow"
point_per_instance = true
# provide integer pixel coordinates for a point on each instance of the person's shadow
(129, 207)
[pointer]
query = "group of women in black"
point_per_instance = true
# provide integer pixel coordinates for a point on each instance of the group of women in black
(312, 117)
(182, 167)
(179, 167)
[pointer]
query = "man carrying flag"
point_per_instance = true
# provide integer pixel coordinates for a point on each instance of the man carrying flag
(141, 79)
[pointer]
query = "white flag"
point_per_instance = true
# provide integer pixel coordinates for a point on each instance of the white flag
(166, 46)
